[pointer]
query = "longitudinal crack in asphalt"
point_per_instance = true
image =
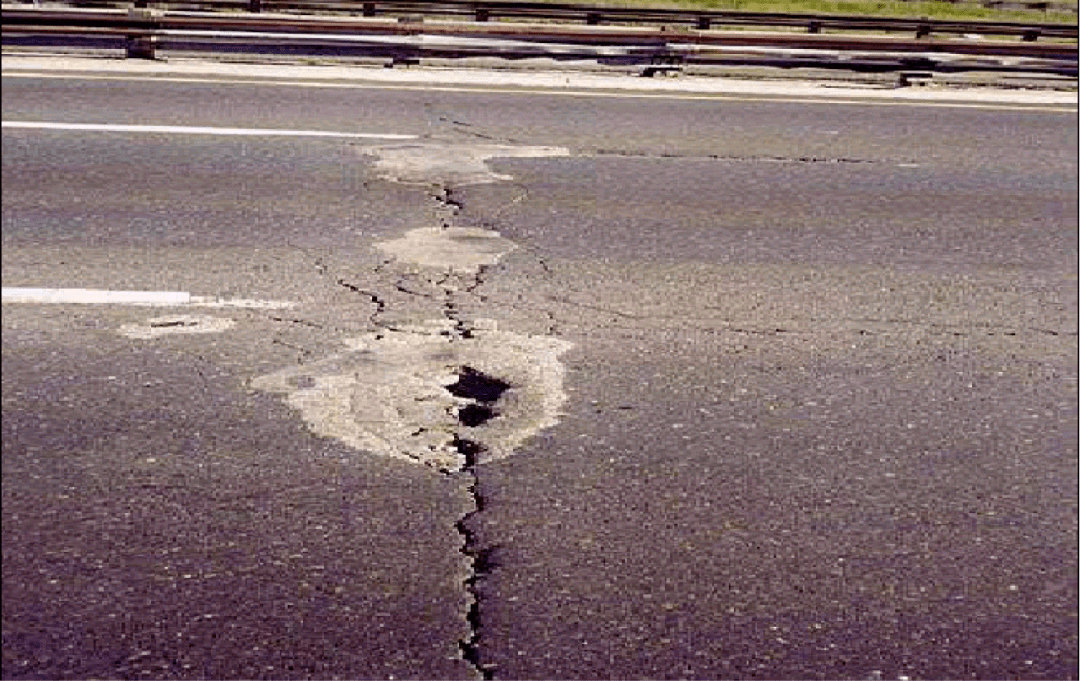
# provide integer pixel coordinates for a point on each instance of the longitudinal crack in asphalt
(446, 389)
(480, 558)
(730, 157)
(475, 385)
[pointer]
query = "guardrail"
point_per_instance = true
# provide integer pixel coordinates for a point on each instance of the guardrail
(486, 10)
(142, 31)
(1040, 6)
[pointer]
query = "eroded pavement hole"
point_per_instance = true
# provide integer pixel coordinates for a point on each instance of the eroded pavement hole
(412, 392)
(476, 385)
(473, 415)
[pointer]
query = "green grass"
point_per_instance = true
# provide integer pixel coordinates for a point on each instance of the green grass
(964, 10)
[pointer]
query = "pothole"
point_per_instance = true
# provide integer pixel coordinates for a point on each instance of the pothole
(473, 415)
(476, 385)
(163, 326)
(430, 396)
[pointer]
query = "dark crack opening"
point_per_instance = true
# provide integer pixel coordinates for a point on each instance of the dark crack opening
(472, 415)
(470, 449)
(446, 198)
(479, 394)
(482, 559)
(476, 385)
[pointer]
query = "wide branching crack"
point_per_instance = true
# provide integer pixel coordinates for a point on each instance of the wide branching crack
(476, 394)
(453, 283)
(481, 560)
(483, 393)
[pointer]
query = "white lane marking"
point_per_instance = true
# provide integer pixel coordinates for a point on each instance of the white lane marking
(862, 99)
(198, 130)
(245, 303)
(82, 296)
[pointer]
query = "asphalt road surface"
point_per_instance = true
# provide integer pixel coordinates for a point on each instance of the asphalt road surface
(500, 383)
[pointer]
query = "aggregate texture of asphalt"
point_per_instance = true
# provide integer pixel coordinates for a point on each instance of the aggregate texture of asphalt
(789, 382)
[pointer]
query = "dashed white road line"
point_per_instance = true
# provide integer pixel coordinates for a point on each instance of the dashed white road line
(199, 130)
(83, 296)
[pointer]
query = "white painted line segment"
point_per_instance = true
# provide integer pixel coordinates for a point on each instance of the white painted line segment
(83, 296)
(197, 130)
(245, 303)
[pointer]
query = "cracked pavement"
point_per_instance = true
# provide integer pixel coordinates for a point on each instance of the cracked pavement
(451, 392)
(607, 389)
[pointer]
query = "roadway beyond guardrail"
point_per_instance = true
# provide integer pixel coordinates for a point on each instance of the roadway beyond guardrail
(142, 32)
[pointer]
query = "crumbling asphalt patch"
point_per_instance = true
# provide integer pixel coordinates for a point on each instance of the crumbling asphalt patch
(458, 249)
(436, 396)
(448, 163)
(417, 393)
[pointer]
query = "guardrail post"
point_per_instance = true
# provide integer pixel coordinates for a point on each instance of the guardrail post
(141, 42)
(909, 78)
(813, 27)
(922, 31)
(592, 18)
(1031, 35)
(481, 14)
(255, 6)
(704, 23)
(369, 9)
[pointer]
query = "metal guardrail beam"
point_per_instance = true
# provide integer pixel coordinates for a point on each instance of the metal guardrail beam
(150, 18)
(1043, 6)
(144, 30)
(486, 10)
